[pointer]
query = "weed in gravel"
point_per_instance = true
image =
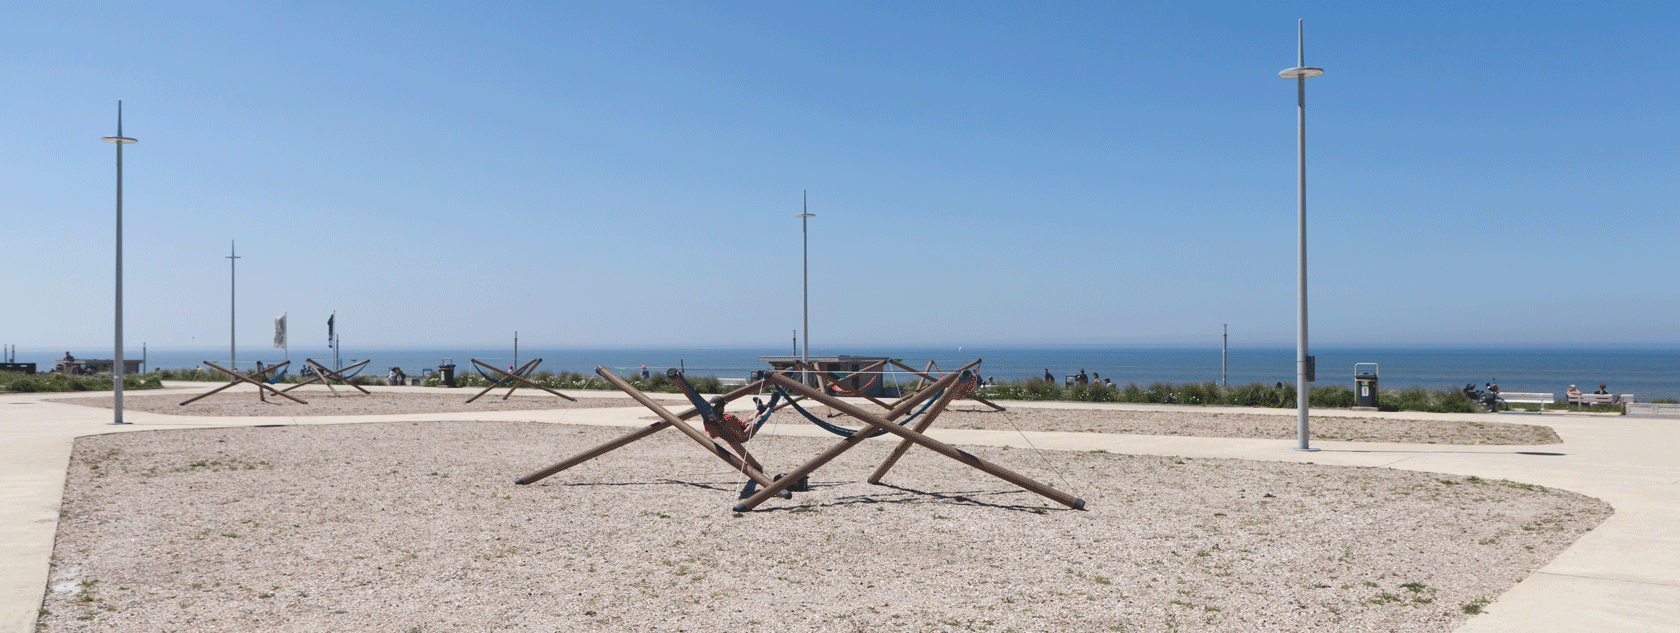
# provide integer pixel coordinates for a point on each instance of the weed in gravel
(1475, 607)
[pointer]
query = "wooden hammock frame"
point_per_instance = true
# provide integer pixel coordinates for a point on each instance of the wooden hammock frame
(931, 366)
(258, 377)
(326, 376)
(518, 376)
(781, 485)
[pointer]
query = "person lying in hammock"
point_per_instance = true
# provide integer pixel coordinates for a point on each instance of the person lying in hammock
(726, 426)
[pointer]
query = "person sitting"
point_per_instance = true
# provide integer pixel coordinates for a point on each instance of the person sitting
(1573, 396)
(726, 426)
(391, 377)
(1049, 378)
(1601, 391)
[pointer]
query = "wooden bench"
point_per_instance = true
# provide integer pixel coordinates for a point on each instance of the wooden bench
(1517, 397)
(1588, 399)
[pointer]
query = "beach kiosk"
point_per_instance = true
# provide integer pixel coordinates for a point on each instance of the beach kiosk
(1365, 387)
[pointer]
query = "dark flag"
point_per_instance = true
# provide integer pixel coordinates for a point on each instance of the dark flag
(330, 329)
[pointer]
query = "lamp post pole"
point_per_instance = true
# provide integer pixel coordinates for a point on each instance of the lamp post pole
(1300, 73)
(233, 355)
(805, 216)
(117, 366)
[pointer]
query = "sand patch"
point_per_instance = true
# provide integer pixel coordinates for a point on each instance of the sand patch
(417, 527)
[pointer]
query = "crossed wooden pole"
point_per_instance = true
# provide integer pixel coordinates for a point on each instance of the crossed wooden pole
(922, 375)
(326, 376)
(942, 387)
(258, 377)
(666, 420)
(518, 376)
(910, 436)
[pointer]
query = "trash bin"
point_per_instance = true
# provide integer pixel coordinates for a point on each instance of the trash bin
(447, 368)
(1365, 391)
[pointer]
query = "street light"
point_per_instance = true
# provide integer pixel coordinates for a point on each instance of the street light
(117, 367)
(805, 216)
(1300, 73)
(233, 287)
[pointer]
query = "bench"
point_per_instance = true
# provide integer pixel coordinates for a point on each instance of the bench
(1517, 397)
(1589, 399)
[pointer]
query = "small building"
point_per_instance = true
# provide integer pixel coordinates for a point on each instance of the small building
(844, 367)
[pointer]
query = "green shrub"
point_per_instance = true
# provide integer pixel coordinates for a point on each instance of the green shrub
(1338, 396)
(18, 382)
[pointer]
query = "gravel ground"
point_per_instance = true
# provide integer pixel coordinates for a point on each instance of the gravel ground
(417, 527)
(1223, 422)
(245, 403)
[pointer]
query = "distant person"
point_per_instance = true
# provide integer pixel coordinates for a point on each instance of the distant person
(1049, 378)
(1601, 391)
(391, 377)
(644, 372)
(1108, 383)
(1083, 379)
(1573, 392)
(67, 356)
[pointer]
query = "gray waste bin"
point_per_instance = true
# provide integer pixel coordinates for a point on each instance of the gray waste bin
(447, 368)
(1365, 383)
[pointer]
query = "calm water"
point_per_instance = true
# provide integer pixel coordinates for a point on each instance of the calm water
(1646, 373)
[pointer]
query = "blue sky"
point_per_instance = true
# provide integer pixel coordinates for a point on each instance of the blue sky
(982, 172)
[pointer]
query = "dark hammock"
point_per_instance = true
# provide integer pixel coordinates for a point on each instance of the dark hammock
(706, 410)
(843, 431)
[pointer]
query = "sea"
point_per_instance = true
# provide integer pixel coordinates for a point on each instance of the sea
(1648, 374)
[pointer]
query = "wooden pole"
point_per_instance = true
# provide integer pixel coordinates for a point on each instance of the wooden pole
(520, 377)
(260, 385)
(971, 396)
(847, 444)
(932, 444)
(691, 432)
(834, 381)
(230, 385)
(626, 439)
(922, 425)
(327, 374)
(499, 381)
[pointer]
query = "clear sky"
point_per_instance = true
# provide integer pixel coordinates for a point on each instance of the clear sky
(627, 173)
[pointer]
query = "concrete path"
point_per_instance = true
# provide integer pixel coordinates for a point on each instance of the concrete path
(1622, 576)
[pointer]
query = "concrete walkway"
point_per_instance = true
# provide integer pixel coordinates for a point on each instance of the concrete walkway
(1622, 576)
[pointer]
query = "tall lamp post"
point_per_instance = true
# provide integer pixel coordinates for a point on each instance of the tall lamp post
(1300, 73)
(805, 216)
(233, 286)
(117, 367)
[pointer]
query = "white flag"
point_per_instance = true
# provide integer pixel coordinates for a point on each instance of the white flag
(280, 332)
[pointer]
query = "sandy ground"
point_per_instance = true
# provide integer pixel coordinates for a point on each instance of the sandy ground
(417, 527)
(245, 403)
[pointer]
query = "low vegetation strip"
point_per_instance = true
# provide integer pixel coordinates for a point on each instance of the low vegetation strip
(19, 382)
(1252, 395)
(416, 527)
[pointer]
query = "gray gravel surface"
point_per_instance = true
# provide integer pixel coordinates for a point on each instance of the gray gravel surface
(417, 527)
